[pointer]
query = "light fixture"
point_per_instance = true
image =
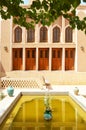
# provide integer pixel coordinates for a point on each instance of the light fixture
(6, 48)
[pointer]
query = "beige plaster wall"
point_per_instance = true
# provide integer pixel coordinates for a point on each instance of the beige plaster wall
(0, 83)
(81, 47)
(54, 77)
(5, 45)
(81, 52)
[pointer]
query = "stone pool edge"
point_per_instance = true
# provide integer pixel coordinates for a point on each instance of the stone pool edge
(8, 102)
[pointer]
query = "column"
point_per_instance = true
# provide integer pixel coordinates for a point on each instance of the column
(0, 44)
(11, 42)
(24, 60)
(63, 30)
(76, 51)
(50, 58)
(63, 42)
(37, 34)
(24, 35)
(37, 56)
(50, 34)
(63, 59)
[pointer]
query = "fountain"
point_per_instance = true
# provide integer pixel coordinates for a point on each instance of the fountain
(48, 111)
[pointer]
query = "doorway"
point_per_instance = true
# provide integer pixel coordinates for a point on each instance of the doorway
(17, 58)
(30, 58)
(56, 58)
(69, 58)
(43, 60)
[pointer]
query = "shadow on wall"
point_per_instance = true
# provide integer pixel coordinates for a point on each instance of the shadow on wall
(2, 71)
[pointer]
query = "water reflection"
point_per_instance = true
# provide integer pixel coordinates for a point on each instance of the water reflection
(65, 116)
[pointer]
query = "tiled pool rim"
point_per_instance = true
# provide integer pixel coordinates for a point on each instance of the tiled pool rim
(8, 102)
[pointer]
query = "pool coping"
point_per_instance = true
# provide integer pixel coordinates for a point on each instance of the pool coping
(8, 102)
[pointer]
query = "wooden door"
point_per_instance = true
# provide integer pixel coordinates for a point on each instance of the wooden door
(17, 58)
(30, 59)
(69, 58)
(43, 59)
(56, 59)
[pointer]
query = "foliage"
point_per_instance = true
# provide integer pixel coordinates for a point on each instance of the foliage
(43, 11)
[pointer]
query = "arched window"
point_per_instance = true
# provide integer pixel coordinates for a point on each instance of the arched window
(30, 35)
(56, 34)
(18, 34)
(68, 34)
(43, 34)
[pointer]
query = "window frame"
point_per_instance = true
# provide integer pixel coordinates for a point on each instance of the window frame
(43, 34)
(31, 35)
(56, 34)
(18, 35)
(68, 34)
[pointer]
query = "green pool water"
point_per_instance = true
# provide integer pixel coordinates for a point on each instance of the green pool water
(28, 114)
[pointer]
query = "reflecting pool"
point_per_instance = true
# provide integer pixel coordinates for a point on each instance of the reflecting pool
(28, 114)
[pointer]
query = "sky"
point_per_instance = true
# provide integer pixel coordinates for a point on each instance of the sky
(26, 1)
(83, 2)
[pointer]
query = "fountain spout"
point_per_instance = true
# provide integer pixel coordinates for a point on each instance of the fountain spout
(48, 111)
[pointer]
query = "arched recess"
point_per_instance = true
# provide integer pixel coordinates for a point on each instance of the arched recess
(43, 34)
(56, 34)
(18, 34)
(68, 34)
(30, 35)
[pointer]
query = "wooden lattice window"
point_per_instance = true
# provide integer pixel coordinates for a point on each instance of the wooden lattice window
(43, 34)
(56, 34)
(30, 35)
(68, 34)
(18, 34)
